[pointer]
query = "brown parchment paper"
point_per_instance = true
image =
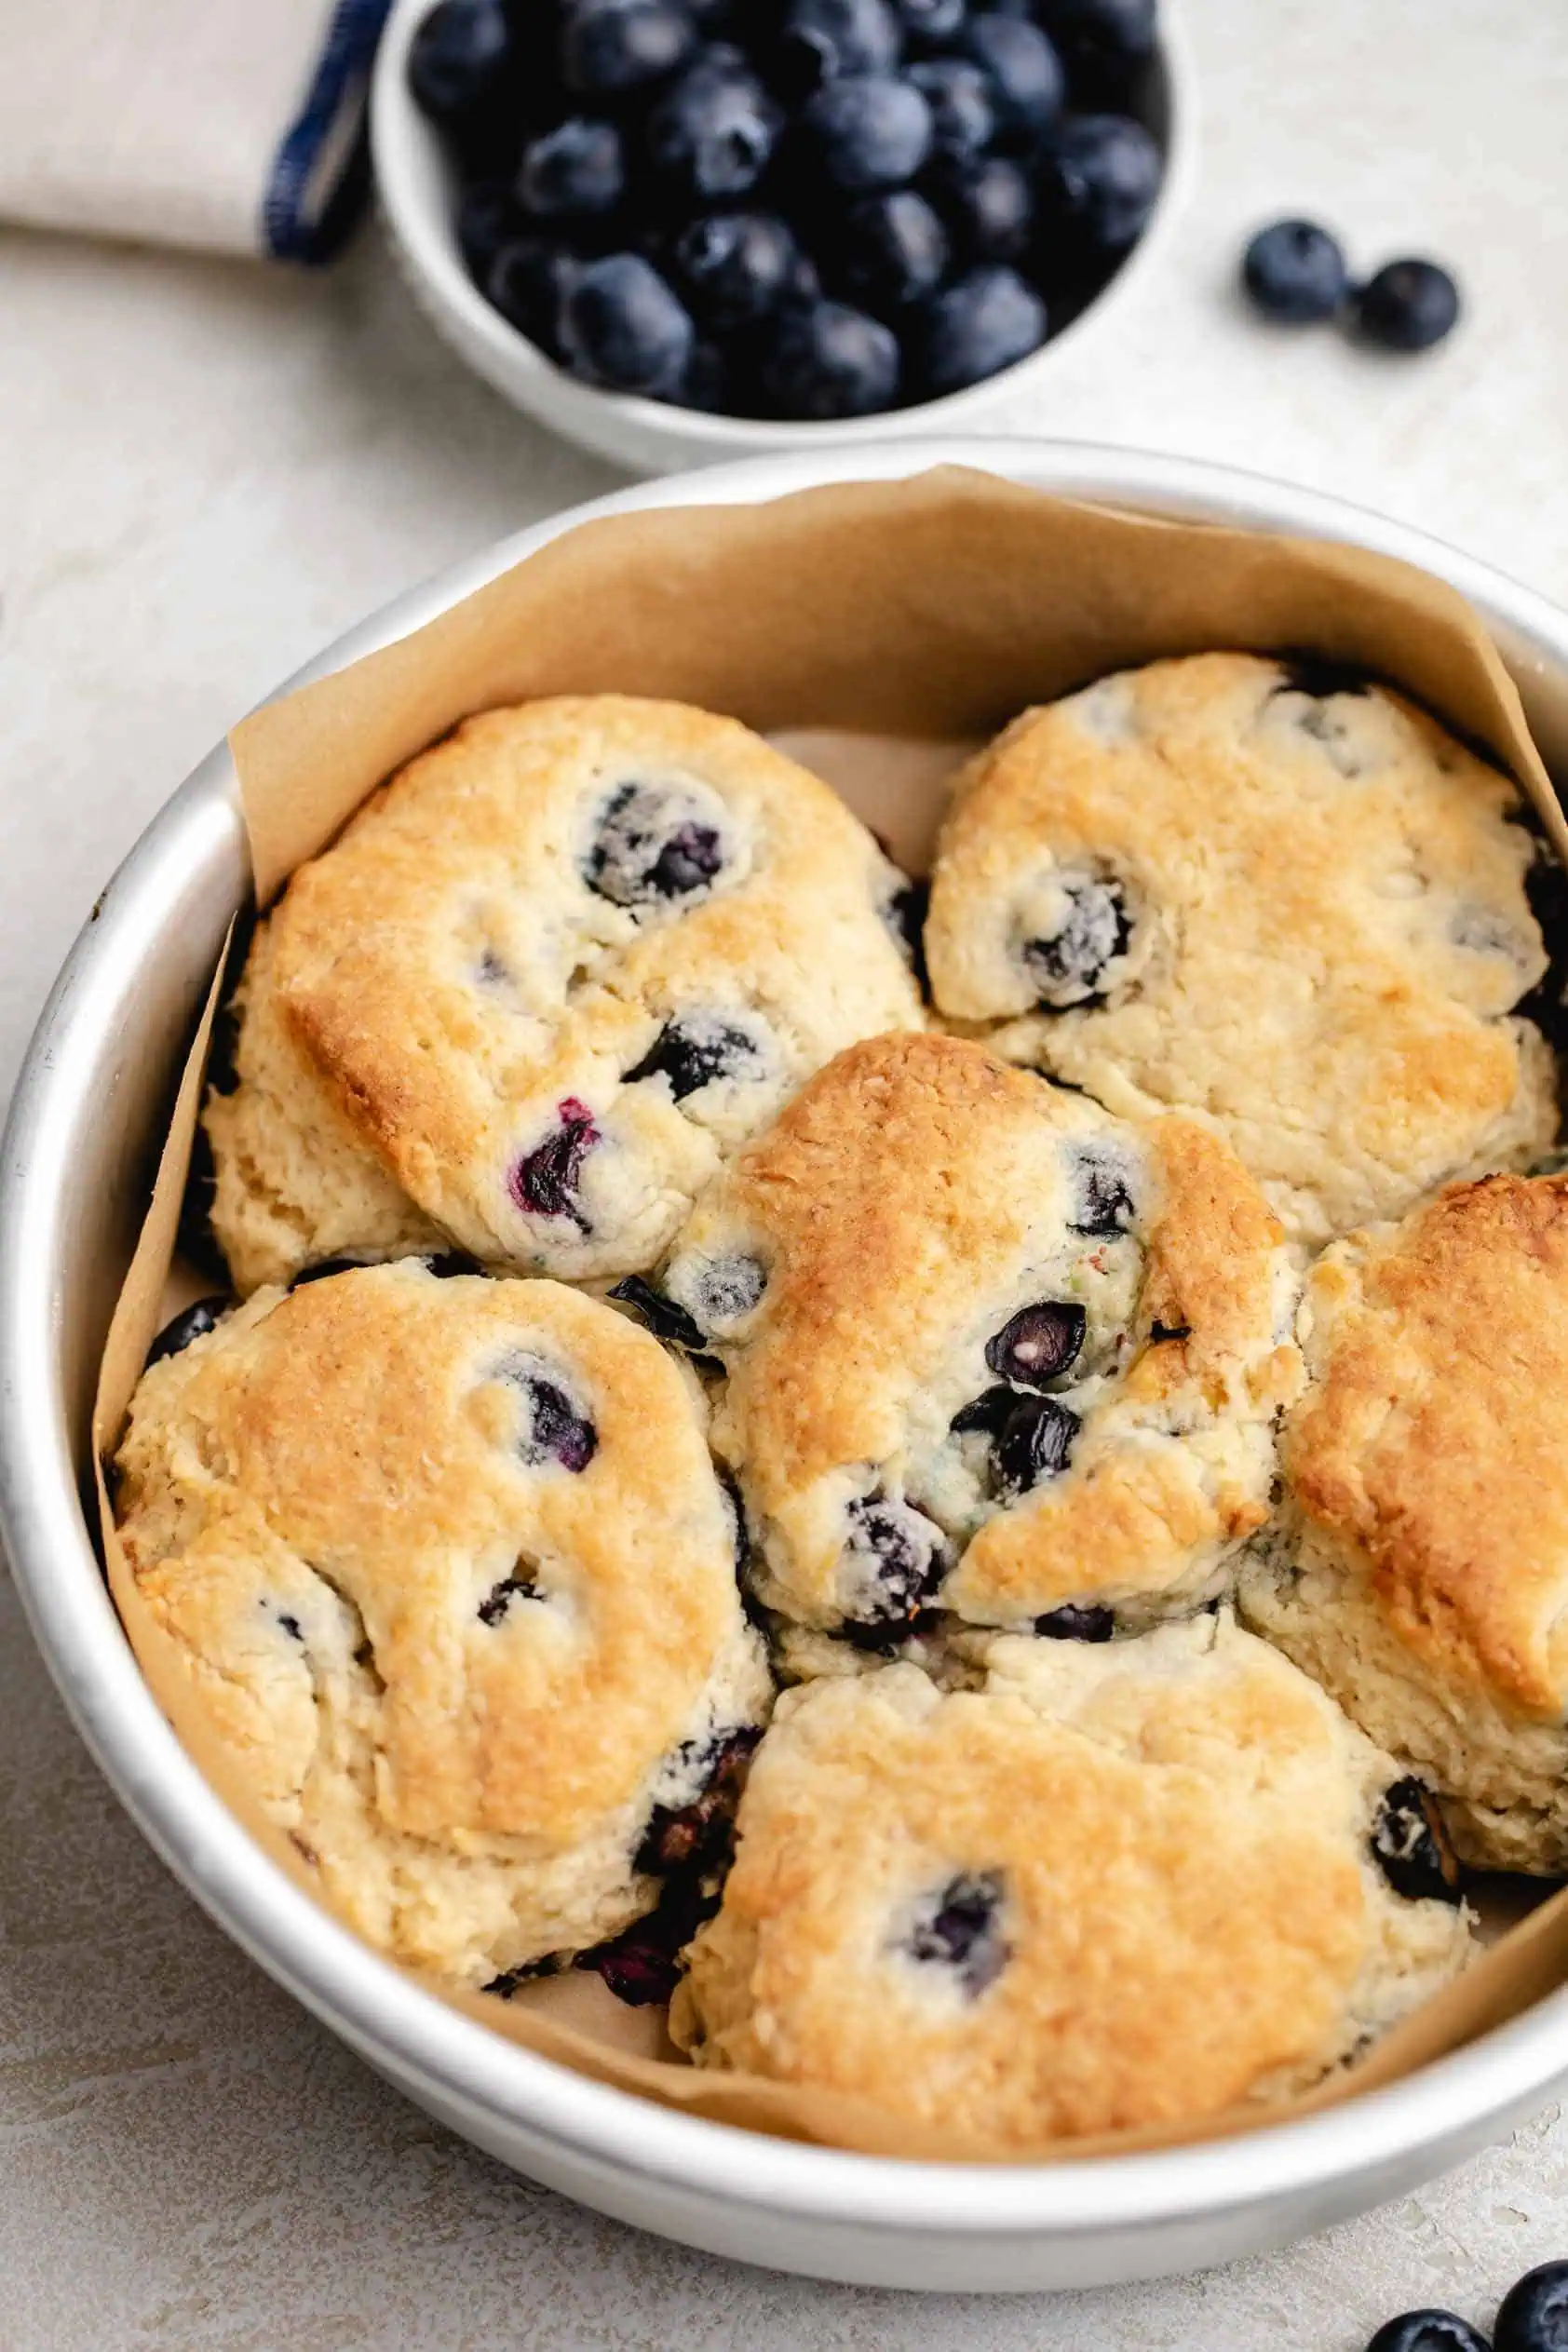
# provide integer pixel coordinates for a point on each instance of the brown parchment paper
(875, 629)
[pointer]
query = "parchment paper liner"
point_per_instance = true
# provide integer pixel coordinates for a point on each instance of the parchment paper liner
(932, 609)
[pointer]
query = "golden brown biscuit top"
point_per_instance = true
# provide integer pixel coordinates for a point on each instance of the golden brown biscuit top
(1118, 1886)
(509, 1487)
(608, 931)
(916, 1197)
(1302, 911)
(1433, 1438)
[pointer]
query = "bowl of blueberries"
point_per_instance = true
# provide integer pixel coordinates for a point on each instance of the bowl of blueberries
(682, 230)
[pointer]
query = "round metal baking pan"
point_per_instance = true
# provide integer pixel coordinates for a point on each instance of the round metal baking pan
(88, 1115)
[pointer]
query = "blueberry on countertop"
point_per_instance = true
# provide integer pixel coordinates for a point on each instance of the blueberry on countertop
(1533, 2316)
(1022, 68)
(895, 251)
(622, 328)
(456, 57)
(984, 322)
(867, 130)
(1407, 305)
(576, 171)
(1098, 179)
(828, 360)
(609, 46)
(1431, 2331)
(1294, 273)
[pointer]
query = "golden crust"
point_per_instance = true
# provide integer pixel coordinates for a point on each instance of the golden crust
(909, 1200)
(1329, 926)
(1418, 1566)
(1434, 1438)
(328, 1505)
(451, 981)
(1176, 1833)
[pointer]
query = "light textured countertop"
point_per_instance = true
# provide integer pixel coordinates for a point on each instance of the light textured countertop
(207, 470)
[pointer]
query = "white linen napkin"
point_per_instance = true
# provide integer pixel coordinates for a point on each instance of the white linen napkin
(235, 125)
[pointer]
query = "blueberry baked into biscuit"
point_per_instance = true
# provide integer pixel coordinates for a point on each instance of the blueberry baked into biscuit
(1419, 1564)
(1117, 1887)
(1266, 892)
(989, 1350)
(545, 981)
(449, 1569)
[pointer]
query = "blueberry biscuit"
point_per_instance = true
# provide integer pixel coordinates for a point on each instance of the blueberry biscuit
(449, 1568)
(1117, 1887)
(1269, 892)
(546, 980)
(1419, 1567)
(990, 1350)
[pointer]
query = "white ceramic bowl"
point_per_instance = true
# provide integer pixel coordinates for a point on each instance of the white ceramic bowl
(75, 1175)
(417, 198)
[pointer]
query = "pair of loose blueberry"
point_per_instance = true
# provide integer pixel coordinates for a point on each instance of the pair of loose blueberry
(1297, 274)
(803, 208)
(1532, 2317)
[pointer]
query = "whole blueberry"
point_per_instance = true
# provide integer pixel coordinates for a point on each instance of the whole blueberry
(456, 57)
(1294, 272)
(1440, 2331)
(962, 110)
(486, 219)
(1410, 1845)
(867, 130)
(1098, 179)
(194, 1323)
(709, 383)
(696, 1052)
(1038, 1343)
(545, 1182)
(893, 251)
(608, 46)
(711, 134)
(1024, 72)
(1534, 2313)
(652, 847)
(572, 173)
(1103, 35)
(826, 360)
(930, 24)
(805, 283)
(1077, 1621)
(988, 204)
(1409, 305)
(1034, 1443)
(736, 267)
(526, 282)
(622, 327)
(984, 322)
(819, 40)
